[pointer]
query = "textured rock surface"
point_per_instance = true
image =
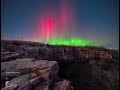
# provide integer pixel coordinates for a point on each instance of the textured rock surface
(6, 56)
(13, 50)
(109, 79)
(38, 71)
(62, 85)
(43, 86)
(34, 72)
(9, 88)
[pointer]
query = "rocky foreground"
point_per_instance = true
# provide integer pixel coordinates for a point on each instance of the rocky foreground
(36, 66)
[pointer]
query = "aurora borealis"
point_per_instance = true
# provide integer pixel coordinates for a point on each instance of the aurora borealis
(66, 22)
(56, 24)
(71, 42)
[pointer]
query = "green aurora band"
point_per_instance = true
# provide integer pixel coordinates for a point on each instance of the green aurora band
(70, 42)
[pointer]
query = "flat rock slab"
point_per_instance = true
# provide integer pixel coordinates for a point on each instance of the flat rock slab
(30, 71)
(26, 63)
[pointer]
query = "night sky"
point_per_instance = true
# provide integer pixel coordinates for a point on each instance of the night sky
(42, 20)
